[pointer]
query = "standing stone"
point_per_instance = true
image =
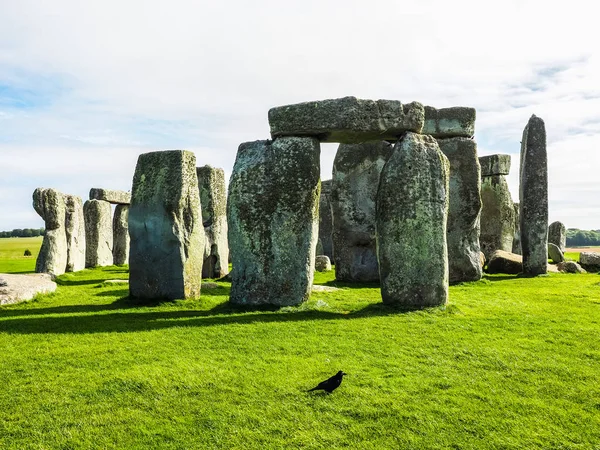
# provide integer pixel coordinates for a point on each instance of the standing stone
(98, 233)
(533, 196)
(325, 220)
(516, 247)
(167, 237)
(121, 235)
(273, 217)
(557, 235)
(464, 210)
(411, 218)
(213, 198)
(75, 231)
(50, 205)
(356, 172)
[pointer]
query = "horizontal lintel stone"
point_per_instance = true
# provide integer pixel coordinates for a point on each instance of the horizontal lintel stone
(458, 121)
(111, 196)
(494, 165)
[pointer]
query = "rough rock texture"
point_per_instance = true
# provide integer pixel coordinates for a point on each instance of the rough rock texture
(121, 235)
(75, 233)
(165, 227)
(458, 121)
(516, 246)
(19, 288)
(590, 261)
(273, 217)
(533, 198)
(505, 262)
(494, 165)
(482, 260)
(554, 253)
(356, 172)
(465, 208)
(98, 233)
(347, 120)
(322, 263)
(325, 220)
(411, 218)
(497, 216)
(570, 267)
(213, 199)
(50, 205)
(110, 196)
(557, 234)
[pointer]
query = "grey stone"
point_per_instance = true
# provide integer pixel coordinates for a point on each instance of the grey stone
(23, 287)
(75, 232)
(590, 261)
(533, 198)
(554, 253)
(121, 239)
(213, 199)
(325, 220)
(458, 121)
(464, 210)
(505, 262)
(111, 196)
(411, 218)
(98, 233)
(557, 234)
(570, 267)
(347, 120)
(497, 216)
(356, 172)
(165, 227)
(516, 246)
(273, 217)
(322, 263)
(494, 165)
(50, 205)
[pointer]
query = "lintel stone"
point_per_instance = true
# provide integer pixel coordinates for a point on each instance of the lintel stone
(111, 196)
(458, 121)
(494, 165)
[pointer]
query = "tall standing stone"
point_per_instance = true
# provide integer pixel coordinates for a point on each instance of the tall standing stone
(121, 235)
(75, 232)
(356, 172)
(50, 205)
(411, 218)
(98, 233)
(165, 227)
(273, 217)
(516, 246)
(325, 220)
(213, 198)
(533, 196)
(557, 235)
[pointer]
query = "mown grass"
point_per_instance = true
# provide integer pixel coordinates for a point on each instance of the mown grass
(11, 254)
(510, 363)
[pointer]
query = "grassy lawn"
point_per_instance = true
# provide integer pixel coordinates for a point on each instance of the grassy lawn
(11, 254)
(509, 363)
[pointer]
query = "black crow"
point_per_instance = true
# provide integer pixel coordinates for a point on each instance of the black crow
(330, 384)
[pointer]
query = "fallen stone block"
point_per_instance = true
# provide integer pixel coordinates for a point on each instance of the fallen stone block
(505, 262)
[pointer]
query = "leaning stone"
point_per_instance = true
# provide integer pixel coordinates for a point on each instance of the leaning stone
(322, 263)
(557, 234)
(273, 217)
(347, 120)
(554, 253)
(464, 210)
(411, 218)
(356, 172)
(111, 196)
(325, 220)
(213, 199)
(570, 267)
(458, 121)
(497, 216)
(494, 165)
(50, 205)
(165, 227)
(98, 233)
(121, 235)
(75, 231)
(505, 262)
(533, 196)
(516, 246)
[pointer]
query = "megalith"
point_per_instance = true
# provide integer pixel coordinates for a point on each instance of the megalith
(50, 205)
(457, 121)
(516, 246)
(273, 218)
(356, 172)
(120, 235)
(557, 235)
(325, 220)
(98, 233)
(165, 227)
(213, 201)
(533, 198)
(111, 196)
(75, 233)
(411, 220)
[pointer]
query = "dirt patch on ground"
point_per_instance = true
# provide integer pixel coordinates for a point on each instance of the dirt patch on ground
(582, 249)
(19, 288)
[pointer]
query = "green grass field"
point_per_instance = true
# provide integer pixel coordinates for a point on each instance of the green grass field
(11, 254)
(510, 363)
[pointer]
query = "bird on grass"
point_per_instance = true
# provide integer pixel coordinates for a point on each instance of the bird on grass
(330, 384)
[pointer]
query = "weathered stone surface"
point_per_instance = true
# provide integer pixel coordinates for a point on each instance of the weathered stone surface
(554, 253)
(411, 219)
(458, 121)
(110, 196)
(98, 233)
(50, 205)
(347, 120)
(121, 235)
(22, 287)
(590, 261)
(213, 199)
(322, 263)
(356, 172)
(570, 267)
(497, 216)
(75, 233)
(533, 197)
(165, 227)
(464, 210)
(516, 246)
(557, 234)
(494, 165)
(482, 260)
(273, 217)
(325, 220)
(505, 262)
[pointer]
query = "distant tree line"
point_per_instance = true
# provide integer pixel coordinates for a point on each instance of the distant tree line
(578, 238)
(25, 232)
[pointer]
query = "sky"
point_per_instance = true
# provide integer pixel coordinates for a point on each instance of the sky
(87, 86)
